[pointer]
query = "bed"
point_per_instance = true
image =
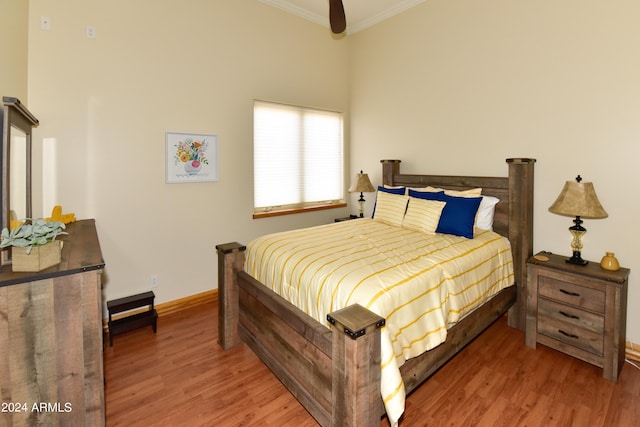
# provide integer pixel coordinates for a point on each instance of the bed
(336, 372)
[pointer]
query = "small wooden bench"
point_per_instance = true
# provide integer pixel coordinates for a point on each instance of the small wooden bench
(134, 321)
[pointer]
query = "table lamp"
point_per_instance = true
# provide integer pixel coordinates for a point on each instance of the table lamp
(578, 199)
(361, 184)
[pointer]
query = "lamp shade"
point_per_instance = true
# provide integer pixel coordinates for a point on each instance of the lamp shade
(578, 199)
(361, 184)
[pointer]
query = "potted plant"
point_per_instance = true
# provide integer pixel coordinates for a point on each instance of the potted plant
(34, 244)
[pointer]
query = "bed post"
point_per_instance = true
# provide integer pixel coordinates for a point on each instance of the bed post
(520, 231)
(230, 262)
(356, 367)
(389, 169)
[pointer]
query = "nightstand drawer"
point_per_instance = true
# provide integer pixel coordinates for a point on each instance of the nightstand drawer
(573, 335)
(565, 318)
(570, 293)
(571, 315)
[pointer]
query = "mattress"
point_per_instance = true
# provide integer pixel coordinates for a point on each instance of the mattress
(421, 283)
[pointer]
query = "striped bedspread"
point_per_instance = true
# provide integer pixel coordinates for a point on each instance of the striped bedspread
(420, 283)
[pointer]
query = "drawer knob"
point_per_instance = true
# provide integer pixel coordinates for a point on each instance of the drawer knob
(570, 316)
(573, 294)
(568, 334)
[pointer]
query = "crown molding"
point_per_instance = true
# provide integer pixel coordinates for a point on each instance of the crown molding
(384, 15)
(352, 27)
(296, 10)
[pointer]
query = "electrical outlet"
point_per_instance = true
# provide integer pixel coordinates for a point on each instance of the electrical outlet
(154, 281)
(45, 22)
(91, 32)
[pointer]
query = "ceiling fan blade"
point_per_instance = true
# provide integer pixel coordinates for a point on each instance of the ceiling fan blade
(336, 16)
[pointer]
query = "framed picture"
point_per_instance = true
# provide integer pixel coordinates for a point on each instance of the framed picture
(191, 157)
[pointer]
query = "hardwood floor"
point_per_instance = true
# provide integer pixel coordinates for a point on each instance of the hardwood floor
(181, 377)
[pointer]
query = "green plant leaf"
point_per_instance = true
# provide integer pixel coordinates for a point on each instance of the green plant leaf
(32, 233)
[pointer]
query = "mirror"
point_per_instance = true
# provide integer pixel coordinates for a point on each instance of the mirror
(18, 175)
(15, 192)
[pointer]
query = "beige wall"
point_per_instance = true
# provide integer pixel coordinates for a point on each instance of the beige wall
(104, 105)
(458, 86)
(13, 48)
(449, 87)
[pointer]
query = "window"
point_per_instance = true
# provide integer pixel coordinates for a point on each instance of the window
(298, 159)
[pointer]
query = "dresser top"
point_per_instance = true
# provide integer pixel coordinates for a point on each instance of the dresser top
(80, 252)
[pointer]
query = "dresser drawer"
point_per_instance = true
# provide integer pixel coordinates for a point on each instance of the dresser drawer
(570, 293)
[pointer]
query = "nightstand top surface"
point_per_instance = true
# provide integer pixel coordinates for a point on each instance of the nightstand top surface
(593, 269)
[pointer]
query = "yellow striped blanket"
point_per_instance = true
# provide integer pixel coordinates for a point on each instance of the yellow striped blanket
(420, 283)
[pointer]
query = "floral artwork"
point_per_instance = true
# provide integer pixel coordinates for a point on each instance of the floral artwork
(192, 153)
(191, 157)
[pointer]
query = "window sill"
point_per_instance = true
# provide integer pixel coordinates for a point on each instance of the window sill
(289, 211)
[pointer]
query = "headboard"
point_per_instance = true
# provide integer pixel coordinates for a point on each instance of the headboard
(513, 216)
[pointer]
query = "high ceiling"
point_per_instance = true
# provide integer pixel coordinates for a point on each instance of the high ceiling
(360, 13)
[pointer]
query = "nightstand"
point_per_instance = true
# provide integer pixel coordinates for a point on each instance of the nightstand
(578, 310)
(346, 218)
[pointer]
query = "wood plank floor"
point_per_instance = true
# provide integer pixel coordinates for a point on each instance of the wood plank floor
(181, 377)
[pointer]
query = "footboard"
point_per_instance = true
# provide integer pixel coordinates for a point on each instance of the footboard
(335, 374)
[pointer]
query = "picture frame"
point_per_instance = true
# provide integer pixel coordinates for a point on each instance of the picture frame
(191, 157)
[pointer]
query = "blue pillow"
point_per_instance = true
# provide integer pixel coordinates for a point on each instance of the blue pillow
(397, 190)
(458, 215)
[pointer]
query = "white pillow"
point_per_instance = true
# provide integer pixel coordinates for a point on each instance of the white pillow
(484, 217)
(423, 215)
(390, 208)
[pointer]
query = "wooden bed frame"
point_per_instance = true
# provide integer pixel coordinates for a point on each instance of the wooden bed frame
(335, 373)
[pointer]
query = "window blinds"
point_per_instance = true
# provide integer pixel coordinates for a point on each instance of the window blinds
(298, 156)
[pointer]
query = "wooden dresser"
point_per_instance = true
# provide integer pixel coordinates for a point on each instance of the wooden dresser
(579, 310)
(51, 370)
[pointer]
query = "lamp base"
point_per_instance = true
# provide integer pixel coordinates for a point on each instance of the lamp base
(576, 259)
(361, 202)
(577, 231)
